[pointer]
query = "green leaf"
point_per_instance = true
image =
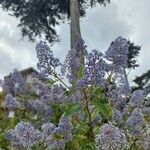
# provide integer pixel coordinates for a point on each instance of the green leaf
(104, 108)
(80, 72)
(72, 109)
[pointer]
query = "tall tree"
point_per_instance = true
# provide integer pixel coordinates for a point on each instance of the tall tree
(40, 17)
(143, 81)
(133, 54)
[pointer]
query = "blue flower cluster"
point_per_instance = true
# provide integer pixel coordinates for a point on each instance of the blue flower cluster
(136, 122)
(137, 98)
(99, 97)
(117, 53)
(72, 64)
(11, 103)
(24, 135)
(56, 137)
(111, 137)
(47, 62)
(15, 83)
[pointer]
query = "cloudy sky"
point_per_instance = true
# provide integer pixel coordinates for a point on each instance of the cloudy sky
(128, 18)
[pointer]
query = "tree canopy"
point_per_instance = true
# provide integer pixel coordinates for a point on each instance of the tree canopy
(40, 17)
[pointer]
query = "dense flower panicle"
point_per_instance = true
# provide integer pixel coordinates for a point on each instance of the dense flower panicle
(25, 135)
(55, 95)
(48, 129)
(137, 98)
(58, 96)
(50, 142)
(72, 63)
(94, 73)
(47, 61)
(136, 122)
(81, 47)
(15, 83)
(50, 133)
(117, 117)
(40, 107)
(65, 124)
(111, 138)
(124, 88)
(11, 103)
(65, 128)
(39, 87)
(117, 53)
(116, 99)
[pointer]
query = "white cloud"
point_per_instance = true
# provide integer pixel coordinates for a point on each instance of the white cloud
(128, 18)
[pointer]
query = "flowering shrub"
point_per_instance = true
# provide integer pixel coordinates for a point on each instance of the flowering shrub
(95, 109)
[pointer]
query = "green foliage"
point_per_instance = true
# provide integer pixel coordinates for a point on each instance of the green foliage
(101, 104)
(72, 109)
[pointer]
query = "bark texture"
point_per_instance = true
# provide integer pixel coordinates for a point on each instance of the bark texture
(75, 22)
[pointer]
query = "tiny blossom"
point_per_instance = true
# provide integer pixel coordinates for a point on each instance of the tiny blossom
(65, 124)
(117, 117)
(116, 99)
(65, 128)
(58, 96)
(137, 97)
(124, 88)
(47, 61)
(146, 111)
(25, 135)
(11, 103)
(50, 142)
(136, 121)
(117, 53)
(111, 137)
(39, 87)
(47, 129)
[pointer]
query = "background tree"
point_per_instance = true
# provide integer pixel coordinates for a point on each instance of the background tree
(133, 54)
(143, 81)
(40, 17)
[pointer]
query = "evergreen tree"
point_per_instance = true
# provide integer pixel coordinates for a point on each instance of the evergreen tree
(143, 81)
(132, 55)
(40, 17)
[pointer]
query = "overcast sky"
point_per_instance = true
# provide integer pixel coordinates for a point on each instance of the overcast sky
(127, 18)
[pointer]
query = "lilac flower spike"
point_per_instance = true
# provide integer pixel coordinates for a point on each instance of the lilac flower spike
(117, 53)
(24, 135)
(46, 58)
(11, 103)
(111, 137)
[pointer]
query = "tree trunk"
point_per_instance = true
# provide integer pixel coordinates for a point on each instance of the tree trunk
(75, 31)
